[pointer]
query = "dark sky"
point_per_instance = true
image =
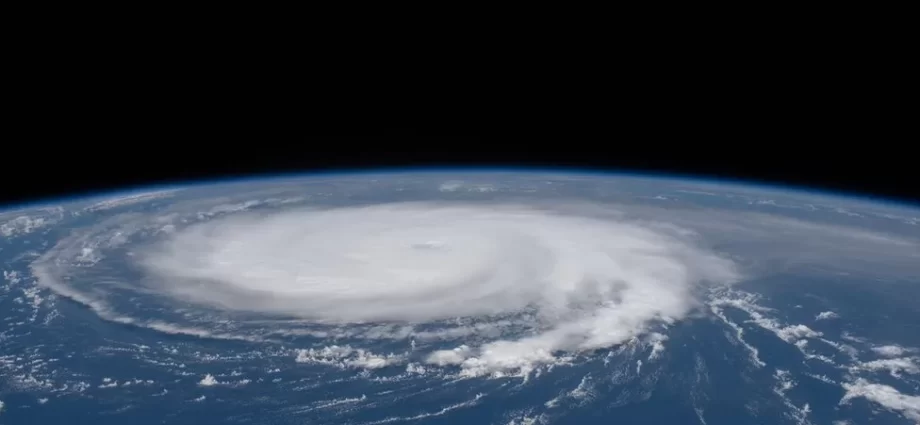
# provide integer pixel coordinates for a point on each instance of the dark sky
(820, 118)
(875, 169)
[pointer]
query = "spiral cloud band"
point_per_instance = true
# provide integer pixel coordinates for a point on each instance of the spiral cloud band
(576, 282)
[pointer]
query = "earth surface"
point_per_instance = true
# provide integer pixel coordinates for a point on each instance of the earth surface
(457, 297)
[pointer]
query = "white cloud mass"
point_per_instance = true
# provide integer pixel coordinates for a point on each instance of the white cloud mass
(580, 282)
(891, 350)
(886, 396)
(827, 315)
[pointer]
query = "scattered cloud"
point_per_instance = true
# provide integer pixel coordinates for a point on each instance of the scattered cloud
(827, 315)
(885, 396)
(891, 350)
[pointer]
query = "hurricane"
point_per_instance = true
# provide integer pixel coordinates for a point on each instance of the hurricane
(573, 283)
(494, 298)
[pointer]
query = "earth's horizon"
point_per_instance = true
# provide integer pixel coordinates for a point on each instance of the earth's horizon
(461, 296)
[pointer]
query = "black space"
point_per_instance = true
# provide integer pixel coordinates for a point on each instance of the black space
(828, 112)
(879, 170)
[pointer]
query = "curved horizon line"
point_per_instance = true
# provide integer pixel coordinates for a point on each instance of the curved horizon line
(670, 176)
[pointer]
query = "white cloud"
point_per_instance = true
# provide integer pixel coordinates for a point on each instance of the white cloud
(523, 419)
(12, 276)
(455, 185)
(347, 357)
(657, 342)
(852, 338)
(587, 283)
(894, 366)
(746, 303)
(784, 381)
(884, 395)
(208, 381)
(796, 332)
(580, 394)
(22, 225)
(132, 199)
(368, 360)
(454, 356)
(849, 350)
(826, 315)
(450, 186)
(891, 350)
(231, 208)
(416, 369)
